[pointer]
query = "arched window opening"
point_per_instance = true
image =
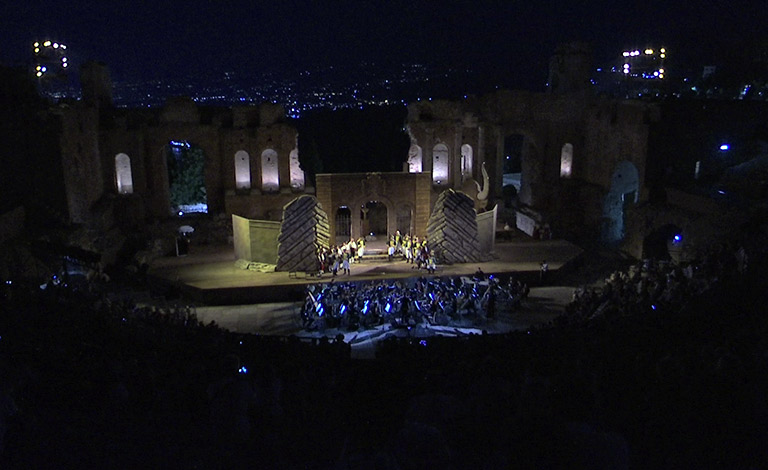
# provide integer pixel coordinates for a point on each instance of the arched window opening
(123, 174)
(270, 179)
(466, 162)
(566, 161)
(440, 165)
(414, 159)
(242, 170)
(297, 175)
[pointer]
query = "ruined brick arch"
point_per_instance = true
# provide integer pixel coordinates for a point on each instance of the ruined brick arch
(123, 174)
(270, 174)
(566, 160)
(297, 174)
(242, 170)
(415, 158)
(467, 157)
(528, 135)
(441, 156)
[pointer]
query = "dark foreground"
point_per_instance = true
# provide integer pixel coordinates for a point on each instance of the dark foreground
(89, 383)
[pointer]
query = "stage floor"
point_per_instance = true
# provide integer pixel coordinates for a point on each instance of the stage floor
(268, 303)
(209, 273)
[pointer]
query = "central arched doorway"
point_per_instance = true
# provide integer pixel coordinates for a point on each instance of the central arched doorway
(373, 219)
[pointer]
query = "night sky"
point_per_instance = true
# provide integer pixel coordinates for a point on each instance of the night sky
(148, 39)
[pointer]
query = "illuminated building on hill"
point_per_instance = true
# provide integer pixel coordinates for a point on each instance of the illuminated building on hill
(646, 64)
(636, 73)
(51, 66)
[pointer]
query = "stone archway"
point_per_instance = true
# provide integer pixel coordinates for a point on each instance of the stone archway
(358, 226)
(566, 160)
(270, 176)
(467, 164)
(123, 174)
(242, 170)
(374, 219)
(415, 164)
(297, 174)
(440, 164)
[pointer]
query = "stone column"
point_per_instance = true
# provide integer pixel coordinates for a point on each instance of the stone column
(355, 221)
(454, 169)
(497, 171)
(391, 218)
(478, 163)
(426, 151)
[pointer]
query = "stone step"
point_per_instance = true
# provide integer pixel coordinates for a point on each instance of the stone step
(376, 258)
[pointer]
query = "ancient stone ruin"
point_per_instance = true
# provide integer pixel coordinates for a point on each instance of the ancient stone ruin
(303, 232)
(452, 229)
